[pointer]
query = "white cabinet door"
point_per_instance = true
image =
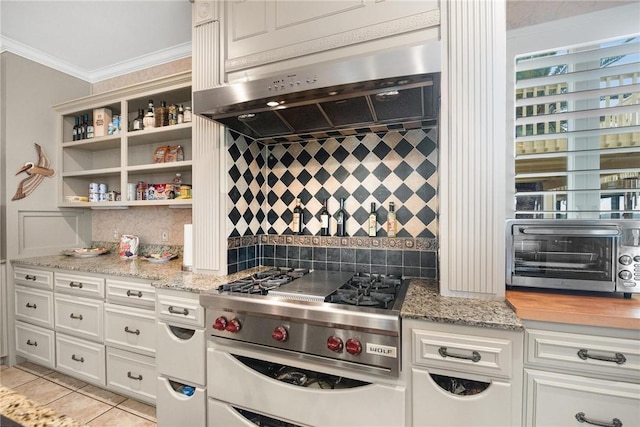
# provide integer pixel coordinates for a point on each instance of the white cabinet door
(36, 344)
(177, 409)
(132, 374)
(76, 284)
(33, 277)
(179, 307)
(131, 292)
(81, 359)
(181, 353)
(34, 306)
(81, 317)
(555, 399)
(434, 406)
(130, 329)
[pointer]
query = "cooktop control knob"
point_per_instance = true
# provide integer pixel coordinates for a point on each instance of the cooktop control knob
(220, 323)
(625, 260)
(280, 334)
(625, 275)
(636, 258)
(334, 344)
(233, 326)
(353, 346)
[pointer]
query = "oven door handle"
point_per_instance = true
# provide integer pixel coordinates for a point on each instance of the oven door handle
(609, 232)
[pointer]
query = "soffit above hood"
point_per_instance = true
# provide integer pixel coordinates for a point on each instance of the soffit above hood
(398, 89)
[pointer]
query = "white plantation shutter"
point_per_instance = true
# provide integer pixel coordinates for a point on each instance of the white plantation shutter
(577, 132)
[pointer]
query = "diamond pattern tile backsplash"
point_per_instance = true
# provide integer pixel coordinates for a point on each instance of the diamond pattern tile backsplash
(396, 166)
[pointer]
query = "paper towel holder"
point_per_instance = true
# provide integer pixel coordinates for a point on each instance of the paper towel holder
(187, 249)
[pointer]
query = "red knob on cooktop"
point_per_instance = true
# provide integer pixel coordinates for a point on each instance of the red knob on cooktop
(280, 334)
(220, 323)
(353, 346)
(233, 326)
(334, 344)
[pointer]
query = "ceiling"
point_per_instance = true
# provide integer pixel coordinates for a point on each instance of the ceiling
(98, 39)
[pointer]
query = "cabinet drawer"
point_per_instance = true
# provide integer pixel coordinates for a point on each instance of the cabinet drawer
(33, 277)
(132, 374)
(556, 400)
(181, 353)
(181, 307)
(82, 359)
(36, 344)
(465, 353)
(491, 407)
(582, 353)
(177, 409)
(80, 285)
(130, 292)
(81, 317)
(34, 306)
(130, 328)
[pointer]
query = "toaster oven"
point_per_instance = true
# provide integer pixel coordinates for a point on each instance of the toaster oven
(577, 255)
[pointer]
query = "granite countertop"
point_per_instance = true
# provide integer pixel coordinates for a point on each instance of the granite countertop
(26, 413)
(421, 302)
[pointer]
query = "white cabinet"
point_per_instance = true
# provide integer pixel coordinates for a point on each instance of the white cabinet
(181, 359)
(81, 317)
(578, 375)
(34, 306)
(78, 284)
(81, 359)
(268, 35)
(136, 293)
(36, 344)
(130, 329)
(461, 375)
(127, 156)
(32, 277)
(132, 374)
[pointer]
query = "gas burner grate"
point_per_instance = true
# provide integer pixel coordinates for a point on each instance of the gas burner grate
(261, 283)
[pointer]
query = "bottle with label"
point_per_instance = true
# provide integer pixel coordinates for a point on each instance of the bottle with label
(83, 126)
(373, 221)
(149, 119)
(160, 114)
(172, 114)
(324, 219)
(297, 220)
(341, 220)
(90, 132)
(180, 114)
(391, 221)
(187, 114)
(76, 128)
(138, 122)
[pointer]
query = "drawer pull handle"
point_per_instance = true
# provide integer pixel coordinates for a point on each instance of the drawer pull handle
(618, 357)
(73, 316)
(75, 285)
(184, 311)
(583, 419)
(77, 359)
(130, 293)
(475, 356)
(30, 277)
(33, 343)
(139, 377)
(129, 331)
(29, 305)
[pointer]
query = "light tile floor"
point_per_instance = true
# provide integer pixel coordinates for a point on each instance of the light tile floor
(85, 403)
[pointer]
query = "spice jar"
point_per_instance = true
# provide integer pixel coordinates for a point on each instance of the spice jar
(172, 115)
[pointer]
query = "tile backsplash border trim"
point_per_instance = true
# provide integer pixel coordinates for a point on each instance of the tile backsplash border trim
(405, 243)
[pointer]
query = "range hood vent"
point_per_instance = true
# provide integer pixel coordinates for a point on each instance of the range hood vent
(397, 89)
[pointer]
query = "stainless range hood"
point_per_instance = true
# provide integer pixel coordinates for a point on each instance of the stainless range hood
(393, 89)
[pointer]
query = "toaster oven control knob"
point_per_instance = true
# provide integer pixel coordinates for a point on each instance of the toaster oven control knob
(280, 334)
(625, 260)
(334, 344)
(220, 324)
(625, 275)
(353, 346)
(233, 326)
(636, 258)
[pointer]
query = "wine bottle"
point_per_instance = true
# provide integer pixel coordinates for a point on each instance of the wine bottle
(137, 123)
(76, 128)
(341, 220)
(373, 221)
(149, 119)
(391, 221)
(83, 126)
(324, 219)
(297, 221)
(90, 132)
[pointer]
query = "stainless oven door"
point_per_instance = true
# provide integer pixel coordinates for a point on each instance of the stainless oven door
(576, 257)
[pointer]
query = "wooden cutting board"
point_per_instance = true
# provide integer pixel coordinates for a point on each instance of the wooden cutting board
(609, 311)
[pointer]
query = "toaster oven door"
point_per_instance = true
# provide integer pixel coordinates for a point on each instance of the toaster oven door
(577, 257)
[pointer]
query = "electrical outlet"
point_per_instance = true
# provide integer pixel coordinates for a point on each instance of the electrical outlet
(164, 236)
(115, 234)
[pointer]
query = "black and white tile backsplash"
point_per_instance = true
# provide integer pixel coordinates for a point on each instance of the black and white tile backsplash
(398, 166)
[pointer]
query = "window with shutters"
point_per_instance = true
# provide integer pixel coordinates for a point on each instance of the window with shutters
(577, 132)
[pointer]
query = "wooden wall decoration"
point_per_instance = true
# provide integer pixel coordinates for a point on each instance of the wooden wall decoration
(36, 171)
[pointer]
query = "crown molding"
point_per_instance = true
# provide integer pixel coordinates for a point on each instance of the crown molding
(92, 76)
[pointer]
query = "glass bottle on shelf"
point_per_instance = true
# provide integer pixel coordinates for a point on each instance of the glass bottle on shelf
(391, 221)
(76, 128)
(90, 132)
(137, 123)
(160, 114)
(373, 221)
(187, 114)
(324, 219)
(83, 126)
(149, 119)
(297, 221)
(341, 220)
(180, 114)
